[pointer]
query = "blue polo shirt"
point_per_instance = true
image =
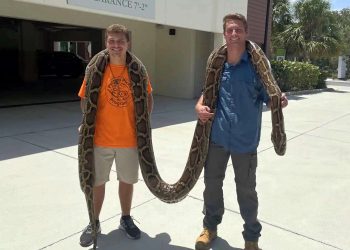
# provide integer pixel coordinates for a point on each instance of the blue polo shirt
(237, 121)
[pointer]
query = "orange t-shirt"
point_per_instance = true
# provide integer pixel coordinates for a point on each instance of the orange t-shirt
(115, 118)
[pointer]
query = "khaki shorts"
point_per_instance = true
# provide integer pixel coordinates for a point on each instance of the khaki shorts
(126, 163)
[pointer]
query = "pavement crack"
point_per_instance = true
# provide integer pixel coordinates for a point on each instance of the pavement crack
(296, 233)
(320, 126)
(44, 148)
(279, 227)
(102, 221)
(38, 131)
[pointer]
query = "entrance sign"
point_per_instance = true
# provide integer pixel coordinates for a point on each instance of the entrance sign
(280, 54)
(139, 8)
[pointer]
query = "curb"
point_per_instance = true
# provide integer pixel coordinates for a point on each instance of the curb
(309, 91)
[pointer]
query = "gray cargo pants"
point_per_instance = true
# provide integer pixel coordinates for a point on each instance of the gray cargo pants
(244, 166)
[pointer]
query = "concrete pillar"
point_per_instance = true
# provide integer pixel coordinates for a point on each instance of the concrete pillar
(57, 46)
(28, 62)
(218, 40)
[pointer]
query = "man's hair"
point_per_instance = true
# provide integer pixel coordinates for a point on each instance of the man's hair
(117, 29)
(235, 16)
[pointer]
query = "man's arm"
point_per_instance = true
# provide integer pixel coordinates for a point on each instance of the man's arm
(203, 112)
(284, 101)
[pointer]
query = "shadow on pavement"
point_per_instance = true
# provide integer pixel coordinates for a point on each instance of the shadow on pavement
(340, 91)
(162, 241)
(221, 244)
(117, 240)
(34, 129)
(295, 97)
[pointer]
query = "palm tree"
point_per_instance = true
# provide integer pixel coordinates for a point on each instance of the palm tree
(343, 23)
(282, 15)
(313, 33)
(281, 18)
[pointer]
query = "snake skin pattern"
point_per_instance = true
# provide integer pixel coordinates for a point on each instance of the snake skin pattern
(169, 193)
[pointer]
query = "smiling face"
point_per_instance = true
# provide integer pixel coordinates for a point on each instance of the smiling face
(117, 44)
(235, 33)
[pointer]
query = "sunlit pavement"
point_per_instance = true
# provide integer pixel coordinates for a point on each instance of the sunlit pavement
(303, 195)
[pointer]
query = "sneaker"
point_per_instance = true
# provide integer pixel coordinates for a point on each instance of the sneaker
(86, 238)
(131, 230)
(251, 245)
(205, 239)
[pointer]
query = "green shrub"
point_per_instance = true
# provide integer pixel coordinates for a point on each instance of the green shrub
(328, 64)
(321, 83)
(294, 76)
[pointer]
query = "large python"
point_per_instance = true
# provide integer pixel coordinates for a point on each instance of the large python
(169, 193)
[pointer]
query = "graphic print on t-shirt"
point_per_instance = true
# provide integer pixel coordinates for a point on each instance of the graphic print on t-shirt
(118, 92)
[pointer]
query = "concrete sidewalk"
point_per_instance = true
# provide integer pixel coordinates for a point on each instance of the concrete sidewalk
(303, 195)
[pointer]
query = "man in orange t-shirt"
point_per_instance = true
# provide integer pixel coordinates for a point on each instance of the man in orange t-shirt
(115, 134)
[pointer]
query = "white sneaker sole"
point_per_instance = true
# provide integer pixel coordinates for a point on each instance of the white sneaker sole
(126, 233)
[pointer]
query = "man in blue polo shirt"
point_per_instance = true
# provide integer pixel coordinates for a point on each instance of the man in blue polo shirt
(236, 133)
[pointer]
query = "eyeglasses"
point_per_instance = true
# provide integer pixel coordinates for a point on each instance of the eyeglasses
(112, 41)
(236, 30)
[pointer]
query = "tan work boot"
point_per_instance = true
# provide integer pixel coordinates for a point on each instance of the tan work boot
(204, 240)
(251, 245)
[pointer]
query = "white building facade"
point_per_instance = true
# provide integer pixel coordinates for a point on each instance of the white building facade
(173, 38)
